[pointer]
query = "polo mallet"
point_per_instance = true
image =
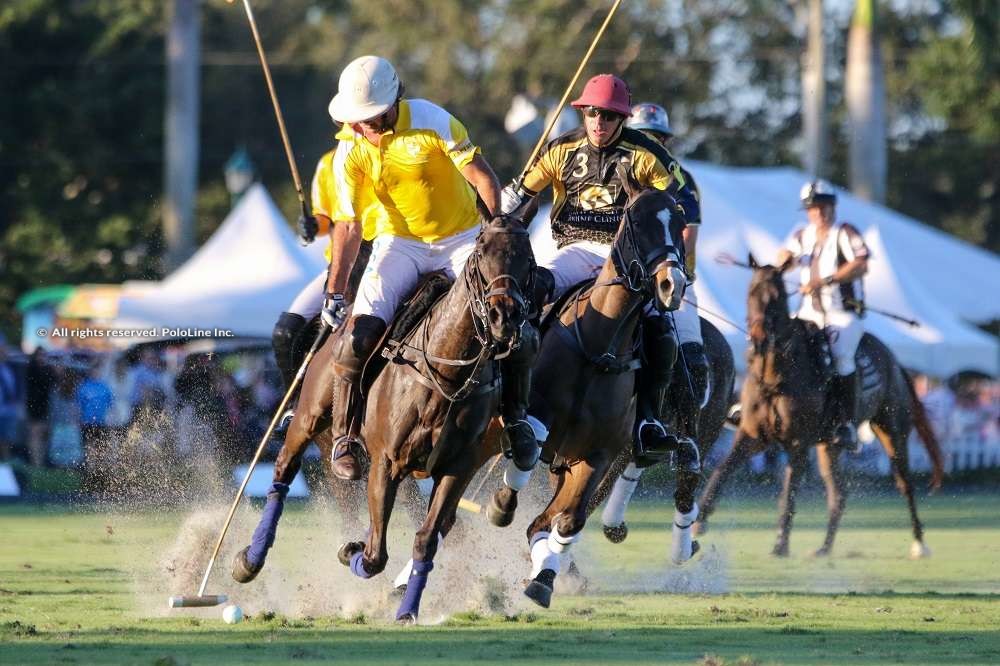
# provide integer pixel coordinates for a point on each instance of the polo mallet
(727, 259)
(277, 107)
(569, 89)
(202, 599)
(471, 505)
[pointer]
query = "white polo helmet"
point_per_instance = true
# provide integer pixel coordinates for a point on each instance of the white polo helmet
(650, 117)
(817, 192)
(368, 87)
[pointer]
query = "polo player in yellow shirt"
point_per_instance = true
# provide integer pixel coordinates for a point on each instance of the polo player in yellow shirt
(420, 165)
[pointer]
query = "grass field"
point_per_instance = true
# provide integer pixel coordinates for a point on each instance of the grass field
(90, 587)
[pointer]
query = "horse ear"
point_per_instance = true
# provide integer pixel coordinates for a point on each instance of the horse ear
(786, 264)
(752, 261)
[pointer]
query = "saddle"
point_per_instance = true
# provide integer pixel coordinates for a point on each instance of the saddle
(819, 352)
(429, 290)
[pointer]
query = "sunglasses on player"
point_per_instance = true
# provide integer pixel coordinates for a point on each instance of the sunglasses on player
(604, 114)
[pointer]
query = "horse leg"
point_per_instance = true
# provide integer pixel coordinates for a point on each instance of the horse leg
(827, 459)
(250, 561)
(899, 458)
(566, 517)
(448, 489)
(786, 502)
(617, 486)
(744, 446)
(369, 559)
(503, 504)
(682, 546)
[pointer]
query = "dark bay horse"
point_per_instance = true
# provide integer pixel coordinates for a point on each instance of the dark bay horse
(427, 410)
(623, 478)
(584, 379)
(784, 400)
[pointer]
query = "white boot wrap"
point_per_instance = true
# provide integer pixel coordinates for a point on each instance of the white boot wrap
(559, 543)
(541, 556)
(680, 546)
(613, 514)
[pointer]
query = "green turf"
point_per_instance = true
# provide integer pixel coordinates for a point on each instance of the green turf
(71, 592)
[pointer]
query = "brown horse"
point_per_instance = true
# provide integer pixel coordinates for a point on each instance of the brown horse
(784, 400)
(427, 411)
(585, 379)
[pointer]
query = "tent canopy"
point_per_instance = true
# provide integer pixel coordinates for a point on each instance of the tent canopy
(915, 271)
(239, 280)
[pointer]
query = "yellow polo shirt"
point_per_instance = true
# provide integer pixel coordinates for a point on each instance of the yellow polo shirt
(414, 173)
(324, 200)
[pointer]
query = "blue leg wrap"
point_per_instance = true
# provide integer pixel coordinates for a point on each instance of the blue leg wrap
(263, 536)
(410, 605)
(356, 565)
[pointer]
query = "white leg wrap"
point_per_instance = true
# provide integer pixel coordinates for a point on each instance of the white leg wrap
(680, 547)
(541, 431)
(541, 556)
(404, 574)
(514, 478)
(425, 486)
(403, 577)
(614, 509)
(559, 543)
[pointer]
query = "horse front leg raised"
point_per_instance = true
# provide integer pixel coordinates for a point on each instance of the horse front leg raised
(827, 459)
(368, 558)
(797, 458)
(250, 561)
(557, 528)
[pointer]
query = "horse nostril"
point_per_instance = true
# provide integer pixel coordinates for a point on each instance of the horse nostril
(496, 316)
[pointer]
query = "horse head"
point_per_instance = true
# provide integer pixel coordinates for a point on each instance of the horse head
(647, 250)
(501, 271)
(767, 304)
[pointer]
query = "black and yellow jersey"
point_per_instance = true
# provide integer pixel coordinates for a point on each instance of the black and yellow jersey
(588, 197)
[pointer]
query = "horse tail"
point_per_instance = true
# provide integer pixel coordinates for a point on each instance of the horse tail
(926, 432)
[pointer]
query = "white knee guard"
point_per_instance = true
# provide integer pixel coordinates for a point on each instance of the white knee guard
(614, 509)
(680, 546)
(514, 478)
(559, 543)
(541, 556)
(425, 486)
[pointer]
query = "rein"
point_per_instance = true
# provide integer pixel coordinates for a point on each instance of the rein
(480, 291)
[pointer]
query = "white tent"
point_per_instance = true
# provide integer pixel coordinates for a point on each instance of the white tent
(239, 280)
(915, 271)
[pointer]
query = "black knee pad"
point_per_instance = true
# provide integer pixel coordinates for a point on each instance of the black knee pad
(696, 363)
(659, 347)
(356, 345)
(286, 330)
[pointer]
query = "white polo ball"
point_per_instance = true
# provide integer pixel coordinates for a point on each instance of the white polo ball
(232, 614)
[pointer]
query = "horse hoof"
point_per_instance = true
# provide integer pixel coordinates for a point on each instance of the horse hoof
(695, 547)
(539, 589)
(616, 533)
(243, 571)
(919, 550)
(821, 552)
(779, 551)
(347, 551)
(407, 619)
(501, 513)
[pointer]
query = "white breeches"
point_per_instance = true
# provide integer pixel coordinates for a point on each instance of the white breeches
(310, 300)
(843, 330)
(686, 318)
(396, 265)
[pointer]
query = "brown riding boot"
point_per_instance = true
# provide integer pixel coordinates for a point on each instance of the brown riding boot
(349, 357)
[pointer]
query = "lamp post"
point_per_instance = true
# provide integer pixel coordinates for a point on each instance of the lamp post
(239, 174)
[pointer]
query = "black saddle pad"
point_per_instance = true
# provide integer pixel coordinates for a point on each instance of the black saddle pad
(428, 291)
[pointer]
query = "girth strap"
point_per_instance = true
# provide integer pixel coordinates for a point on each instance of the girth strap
(606, 363)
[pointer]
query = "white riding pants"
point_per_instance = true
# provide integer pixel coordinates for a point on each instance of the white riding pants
(843, 330)
(396, 265)
(310, 300)
(686, 318)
